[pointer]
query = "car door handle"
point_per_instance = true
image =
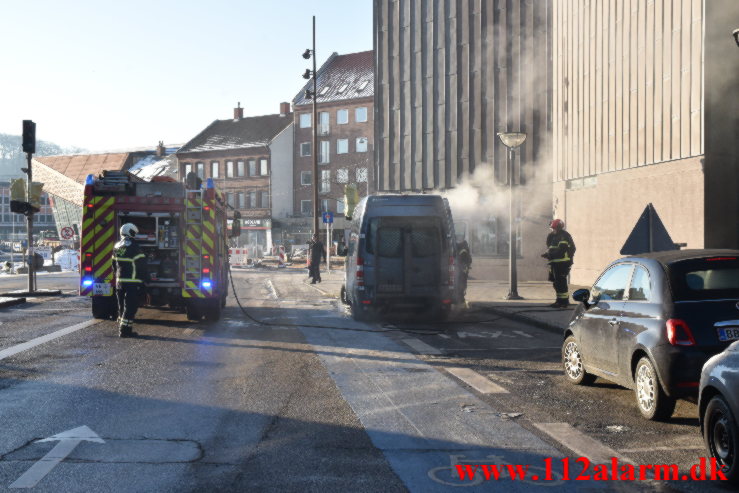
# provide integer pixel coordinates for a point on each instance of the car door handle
(613, 321)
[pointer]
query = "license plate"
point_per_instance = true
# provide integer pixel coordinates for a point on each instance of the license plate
(102, 288)
(728, 334)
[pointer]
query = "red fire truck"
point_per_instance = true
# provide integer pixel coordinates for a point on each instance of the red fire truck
(182, 231)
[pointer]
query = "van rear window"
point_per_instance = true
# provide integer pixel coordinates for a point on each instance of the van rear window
(386, 236)
(711, 278)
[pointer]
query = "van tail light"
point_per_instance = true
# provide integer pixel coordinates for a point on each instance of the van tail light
(451, 271)
(360, 271)
(678, 333)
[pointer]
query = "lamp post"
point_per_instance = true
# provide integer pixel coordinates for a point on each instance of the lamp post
(512, 140)
(308, 53)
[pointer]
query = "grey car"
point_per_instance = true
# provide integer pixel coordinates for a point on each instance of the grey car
(719, 407)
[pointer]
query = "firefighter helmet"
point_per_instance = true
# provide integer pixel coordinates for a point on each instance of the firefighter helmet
(557, 224)
(129, 230)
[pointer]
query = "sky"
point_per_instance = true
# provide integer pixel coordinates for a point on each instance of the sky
(113, 75)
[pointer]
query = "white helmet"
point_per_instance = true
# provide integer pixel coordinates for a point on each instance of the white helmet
(129, 230)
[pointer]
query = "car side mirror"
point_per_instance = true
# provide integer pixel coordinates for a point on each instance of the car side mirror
(582, 295)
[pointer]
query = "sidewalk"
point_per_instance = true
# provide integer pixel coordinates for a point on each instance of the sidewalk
(488, 296)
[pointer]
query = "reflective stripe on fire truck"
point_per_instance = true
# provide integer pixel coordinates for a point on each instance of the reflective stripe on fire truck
(98, 239)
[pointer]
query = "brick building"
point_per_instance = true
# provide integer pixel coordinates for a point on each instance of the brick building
(345, 86)
(250, 159)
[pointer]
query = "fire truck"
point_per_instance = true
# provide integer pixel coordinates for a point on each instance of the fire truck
(182, 231)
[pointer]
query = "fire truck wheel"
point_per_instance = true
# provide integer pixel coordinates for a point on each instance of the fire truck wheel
(104, 307)
(213, 310)
(194, 312)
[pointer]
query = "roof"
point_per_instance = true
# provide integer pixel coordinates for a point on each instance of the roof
(77, 167)
(670, 256)
(252, 131)
(343, 77)
(153, 166)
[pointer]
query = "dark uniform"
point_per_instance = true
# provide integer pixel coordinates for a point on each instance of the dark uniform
(316, 253)
(465, 261)
(130, 267)
(560, 253)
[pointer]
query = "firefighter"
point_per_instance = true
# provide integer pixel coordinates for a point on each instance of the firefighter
(316, 252)
(560, 253)
(130, 266)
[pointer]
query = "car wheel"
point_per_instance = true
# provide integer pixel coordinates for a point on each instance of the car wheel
(573, 365)
(721, 435)
(651, 399)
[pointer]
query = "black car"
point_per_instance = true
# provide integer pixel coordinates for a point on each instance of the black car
(650, 322)
(719, 409)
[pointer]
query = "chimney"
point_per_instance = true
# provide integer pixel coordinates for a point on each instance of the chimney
(160, 149)
(284, 109)
(238, 112)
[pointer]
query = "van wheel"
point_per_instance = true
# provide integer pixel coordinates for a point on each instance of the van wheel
(104, 307)
(194, 312)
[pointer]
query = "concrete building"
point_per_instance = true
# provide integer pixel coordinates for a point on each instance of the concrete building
(450, 75)
(13, 226)
(645, 111)
(345, 86)
(250, 159)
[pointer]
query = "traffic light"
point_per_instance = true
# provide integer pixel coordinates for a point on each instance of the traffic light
(29, 136)
(20, 207)
(18, 189)
(36, 189)
(351, 197)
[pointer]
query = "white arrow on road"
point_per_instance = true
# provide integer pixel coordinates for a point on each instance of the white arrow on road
(68, 440)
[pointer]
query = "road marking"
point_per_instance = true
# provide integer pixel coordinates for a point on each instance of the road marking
(188, 331)
(11, 351)
(68, 441)
(477, 381)
(580, 443)
(272, 290)
(522, 333)
(488, 335)
(420, 346)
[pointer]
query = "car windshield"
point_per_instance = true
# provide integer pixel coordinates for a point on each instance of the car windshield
(709, 278)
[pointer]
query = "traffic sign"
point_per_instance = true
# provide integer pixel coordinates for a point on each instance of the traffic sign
(67, 233)
(328, 217)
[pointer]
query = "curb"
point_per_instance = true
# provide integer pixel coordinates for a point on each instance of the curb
(6, 302)
(529, 320)
(37, 293)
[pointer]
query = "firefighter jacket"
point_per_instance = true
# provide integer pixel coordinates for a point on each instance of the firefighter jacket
(129, 262)
(560, 247)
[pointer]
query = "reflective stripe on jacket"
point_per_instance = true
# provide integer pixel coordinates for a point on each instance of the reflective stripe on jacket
(129, 262)
(560, 247)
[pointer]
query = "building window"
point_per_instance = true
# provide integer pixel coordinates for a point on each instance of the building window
(361, 144)
(263, 167)
(230, 199)
(324, 205)
(325, 181)
(201, 170)
(253, 200)
(323, 157)
(342, 146)
(360, 114)
(264, 200)
(188, 169)
(361, 175)
(229, 169)
(342, 117)
(362, 85)
(339, 206)
(305, 178)
(214, 169)
(305, 149)
(240, 168)
(343, 88)
(323, 123)
(242, 202)
(342, 175)
(305, 120)
(306, 207)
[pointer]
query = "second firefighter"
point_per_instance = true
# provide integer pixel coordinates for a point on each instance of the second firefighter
(130, 271)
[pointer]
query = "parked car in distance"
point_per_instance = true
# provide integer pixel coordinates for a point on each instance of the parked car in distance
(718, 407)
(401, 252)
(650, 322)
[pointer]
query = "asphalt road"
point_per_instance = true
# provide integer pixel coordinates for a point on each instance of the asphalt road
(292, 395)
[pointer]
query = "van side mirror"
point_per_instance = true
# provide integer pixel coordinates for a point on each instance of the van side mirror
(236, 225)
(582, 295)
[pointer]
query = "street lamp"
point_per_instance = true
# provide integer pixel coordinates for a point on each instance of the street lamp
(308, 53)
(512, 140)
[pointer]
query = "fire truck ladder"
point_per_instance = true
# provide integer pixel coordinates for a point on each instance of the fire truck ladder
(193, 241)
